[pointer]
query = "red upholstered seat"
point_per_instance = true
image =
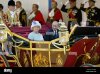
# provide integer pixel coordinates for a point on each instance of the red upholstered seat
(20, 29)
(24, 31)
(25, 35)
(49, 25)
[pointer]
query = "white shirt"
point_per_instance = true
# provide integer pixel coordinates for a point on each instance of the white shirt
(31, 16)
(51, 14)
(12, 13)
(18, 11)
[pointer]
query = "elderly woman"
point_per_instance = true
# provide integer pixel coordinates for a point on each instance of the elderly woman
(35, 35)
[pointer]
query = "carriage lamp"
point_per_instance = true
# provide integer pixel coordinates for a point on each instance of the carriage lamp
(63, 39)
(3, 35)
(63, 34)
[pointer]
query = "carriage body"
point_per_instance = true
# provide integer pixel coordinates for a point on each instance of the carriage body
(41, 54)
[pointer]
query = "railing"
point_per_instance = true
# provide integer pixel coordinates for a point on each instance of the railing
(38, 48)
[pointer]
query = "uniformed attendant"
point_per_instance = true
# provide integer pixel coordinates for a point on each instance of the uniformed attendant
(75, 14)
(36, 15)
(93, 13)
(55, 13)
(21, 14)
(10, 15)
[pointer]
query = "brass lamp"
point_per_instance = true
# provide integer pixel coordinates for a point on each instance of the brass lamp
(63, 32)
(3, 35)
(63, 38)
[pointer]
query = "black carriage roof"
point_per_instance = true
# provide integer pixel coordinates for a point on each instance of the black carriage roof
(84, 31)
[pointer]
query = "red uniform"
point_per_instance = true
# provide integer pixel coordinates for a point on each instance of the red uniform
(57, 15)
(39, 17)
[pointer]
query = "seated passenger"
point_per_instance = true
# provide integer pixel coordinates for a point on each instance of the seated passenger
(35, 35)
(53, 32)
(36, 15)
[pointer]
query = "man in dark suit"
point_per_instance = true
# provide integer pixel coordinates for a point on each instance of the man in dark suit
(52, 33)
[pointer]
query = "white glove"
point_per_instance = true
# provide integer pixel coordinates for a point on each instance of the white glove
(66, 2)
(31, 16)
(84, 1)
(51, 14)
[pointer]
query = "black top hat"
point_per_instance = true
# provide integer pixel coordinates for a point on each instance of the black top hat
(72, 0)
(92, 1)
(11, 3)
(1, 6)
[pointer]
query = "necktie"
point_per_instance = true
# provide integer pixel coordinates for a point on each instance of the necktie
(55, 34)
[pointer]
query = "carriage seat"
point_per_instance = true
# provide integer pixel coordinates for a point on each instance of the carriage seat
(24, 31)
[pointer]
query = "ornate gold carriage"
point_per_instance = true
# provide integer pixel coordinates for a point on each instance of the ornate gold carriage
(33, 53)
(43, 54)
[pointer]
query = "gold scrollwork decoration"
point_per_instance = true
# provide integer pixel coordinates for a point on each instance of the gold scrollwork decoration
(59, 60)
(40, 60)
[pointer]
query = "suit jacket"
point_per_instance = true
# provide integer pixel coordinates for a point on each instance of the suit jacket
(23, 17)
(50, 35)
